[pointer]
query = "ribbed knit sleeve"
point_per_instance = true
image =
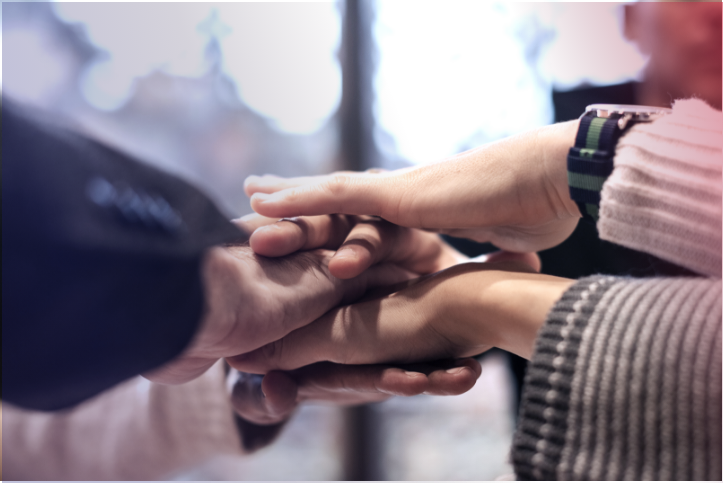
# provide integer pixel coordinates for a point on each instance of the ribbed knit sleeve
(625, 383)
(664, 195)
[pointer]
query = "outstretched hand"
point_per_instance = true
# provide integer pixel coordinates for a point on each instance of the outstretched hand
(459, 312)
(512, 193)
(272, 398)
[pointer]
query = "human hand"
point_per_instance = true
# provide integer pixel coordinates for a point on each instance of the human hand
(265, 403)
(512, 193)
(252, 300)
(271, 398)
(459, 312)
(359, 241)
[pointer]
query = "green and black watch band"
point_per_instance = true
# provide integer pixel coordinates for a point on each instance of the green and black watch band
(590, 161)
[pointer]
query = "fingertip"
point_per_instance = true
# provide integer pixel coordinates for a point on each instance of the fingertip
(276, 240)
(535, 261)
(345, 264)
(453, 381)
(398, 382)
(259, 198)
(251, 222)
(247, 362)
(280, 392)
(268, 205)
(473, 364)
(250, 184)
(350, 261)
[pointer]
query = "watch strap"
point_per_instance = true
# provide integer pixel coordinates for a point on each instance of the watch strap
(590, 162)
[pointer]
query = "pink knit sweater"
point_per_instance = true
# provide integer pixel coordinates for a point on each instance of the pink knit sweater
(664, 195)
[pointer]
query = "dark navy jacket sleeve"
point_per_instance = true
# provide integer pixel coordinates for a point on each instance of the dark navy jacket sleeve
(100, 263)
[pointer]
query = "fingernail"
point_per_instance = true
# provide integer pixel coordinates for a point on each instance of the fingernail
(455, 370)
(413, 374)
(345, 253)
(261, 196)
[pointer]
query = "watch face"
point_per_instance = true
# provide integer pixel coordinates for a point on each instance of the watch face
(637, 113)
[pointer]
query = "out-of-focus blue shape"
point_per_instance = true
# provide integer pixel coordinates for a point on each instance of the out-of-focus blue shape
(137, 39)
(281, 57)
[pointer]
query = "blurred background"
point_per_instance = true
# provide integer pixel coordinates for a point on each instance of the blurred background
(216, 92)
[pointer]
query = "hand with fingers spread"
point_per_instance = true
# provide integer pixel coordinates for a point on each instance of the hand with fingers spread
(360, 242)
(458, 312)
(513, 193)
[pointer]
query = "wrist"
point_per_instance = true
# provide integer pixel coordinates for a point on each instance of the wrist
(524, 303)
(556, 141)
(502, 308)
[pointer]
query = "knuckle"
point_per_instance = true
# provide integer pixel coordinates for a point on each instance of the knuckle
(342, 332)
(337, 183)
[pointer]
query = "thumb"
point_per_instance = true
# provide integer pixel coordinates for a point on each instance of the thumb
(344, 193)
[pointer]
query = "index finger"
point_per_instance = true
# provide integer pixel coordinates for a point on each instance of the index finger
(351, 194)
(289, 235)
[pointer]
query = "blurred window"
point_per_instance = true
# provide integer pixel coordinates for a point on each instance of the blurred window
(454, 75)
(213, 92)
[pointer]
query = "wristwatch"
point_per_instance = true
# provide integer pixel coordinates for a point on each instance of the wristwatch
(590, 161)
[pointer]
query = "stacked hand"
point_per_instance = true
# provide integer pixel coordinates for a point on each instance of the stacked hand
(296, 316)
(272, 398)
(257, 299)
(513, 193)
(253, 300)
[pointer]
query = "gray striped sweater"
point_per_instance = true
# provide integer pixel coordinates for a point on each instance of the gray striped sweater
(625, 381)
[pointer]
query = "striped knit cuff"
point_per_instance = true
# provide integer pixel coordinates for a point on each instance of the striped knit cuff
(625, 384)
(540, 437)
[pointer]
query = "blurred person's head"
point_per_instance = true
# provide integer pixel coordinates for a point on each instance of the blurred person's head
(683, 41)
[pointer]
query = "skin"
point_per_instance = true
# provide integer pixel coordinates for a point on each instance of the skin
(272, 398)
(265, 402)
(512, 193)
(523, 193)
(360, 242)
(521, 202)
(461, 311)
(301, 284)
(252, 300)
